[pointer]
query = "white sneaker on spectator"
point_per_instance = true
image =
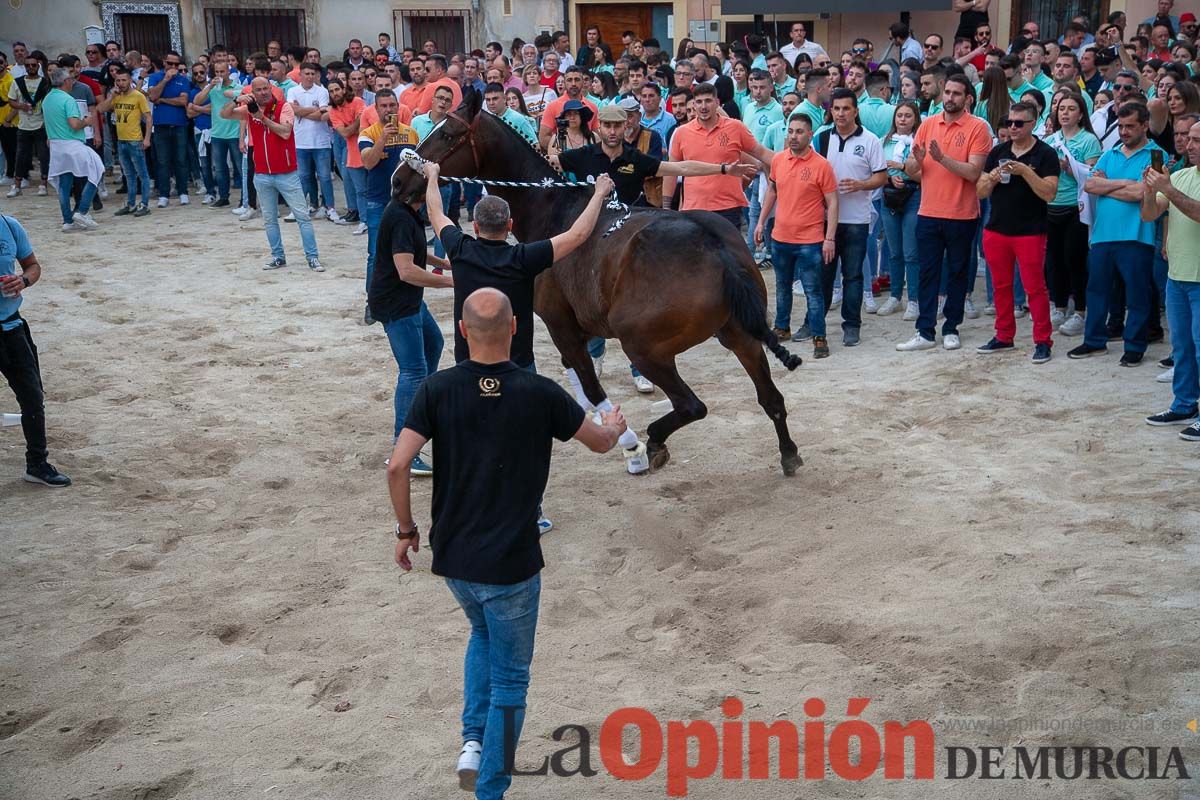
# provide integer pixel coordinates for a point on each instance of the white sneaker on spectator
(103, 192)
(468, 765)
(837, 298)
(184, 200)
(1166, 377)
(969, 309)
(41, 191)
(1057, 317)
(912, 312)
(71, 227)
(249, 214)
(361, 229)
(642, 384)
(334, 217)
(950, 341)
(1073, 326)
(85, 221)
(162, 202)
(798, 288)
(237, 212)
(990, 310)
(890, 306)
(869, 304)
(1020, 311)
(917, 342)
(15, 191)
(291, 217)
(208, 200)
(316, 213)
(6, 181)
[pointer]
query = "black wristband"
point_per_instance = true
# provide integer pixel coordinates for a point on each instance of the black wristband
(25, 280)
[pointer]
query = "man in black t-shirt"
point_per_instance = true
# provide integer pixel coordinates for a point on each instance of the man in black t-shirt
(395, 297)
(490, 261)
(1021, 177)
(627, 166)
(492, 424)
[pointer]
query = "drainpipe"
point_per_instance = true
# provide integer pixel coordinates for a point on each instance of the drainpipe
(566, 22)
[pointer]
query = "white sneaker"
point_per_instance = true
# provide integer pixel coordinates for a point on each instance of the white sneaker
(184, 200)
(1166, 377)
(1019, 312)
(889, 307)
(969, 309)
(361, 229)
(1073, 326)
(990, 310)
(291, 217)
(316, 213)
(6, 181)
(950, 341)
(837, 298)
(41, 191)
(237, 212)
(14, 192)
(912, 312)
(103, 191)
(71, 227)
(917, 342)
(162, 202)
(869, 304)
(643, 384)
(334, 217)
(249, 214)
(208, 200)
(468, 765)
(798, 288)
(85, 221)
(1057, 317)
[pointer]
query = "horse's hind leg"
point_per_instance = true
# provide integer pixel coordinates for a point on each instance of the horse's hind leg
(750, 352)
(686, 407)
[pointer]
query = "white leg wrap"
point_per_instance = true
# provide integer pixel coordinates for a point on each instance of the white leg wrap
(577, 388)
(628, 440)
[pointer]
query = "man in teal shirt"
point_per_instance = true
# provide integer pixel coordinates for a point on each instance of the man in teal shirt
(782, 83)
(1035, 55)
(759, 112)
(279, 75)
(875, 112)
(493, 101)
(816, 96)
(70, 157)
(933, 81)
(223, 146)
(1121, 240)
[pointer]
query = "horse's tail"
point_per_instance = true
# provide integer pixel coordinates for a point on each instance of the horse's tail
(749, 308)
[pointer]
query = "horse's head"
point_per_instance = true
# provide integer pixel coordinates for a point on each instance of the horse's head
(450, 145)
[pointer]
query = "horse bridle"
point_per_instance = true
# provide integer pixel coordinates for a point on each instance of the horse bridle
(468, 137)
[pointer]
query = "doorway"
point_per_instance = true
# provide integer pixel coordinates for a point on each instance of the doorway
(613, 19)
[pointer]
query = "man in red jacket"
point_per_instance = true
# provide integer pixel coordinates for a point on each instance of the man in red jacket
(270, 122)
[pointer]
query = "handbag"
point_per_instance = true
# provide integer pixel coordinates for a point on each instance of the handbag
(896, 198)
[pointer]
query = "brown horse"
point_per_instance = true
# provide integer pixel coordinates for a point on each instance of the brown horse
(662, 283)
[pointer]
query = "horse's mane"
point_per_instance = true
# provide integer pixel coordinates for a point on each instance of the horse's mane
(532, 144)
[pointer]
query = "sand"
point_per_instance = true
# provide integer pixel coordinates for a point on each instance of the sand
(970, 537)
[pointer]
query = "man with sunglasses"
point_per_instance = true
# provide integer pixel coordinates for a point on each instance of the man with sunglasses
(801, 44)
(1021, 178)
(864, 50)
(1104, 122)
(168, 90)
(933, 50)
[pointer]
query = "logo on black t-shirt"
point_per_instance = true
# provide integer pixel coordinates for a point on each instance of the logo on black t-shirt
(489, 387)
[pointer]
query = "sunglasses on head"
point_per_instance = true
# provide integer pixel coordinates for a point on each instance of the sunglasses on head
(1016, 123)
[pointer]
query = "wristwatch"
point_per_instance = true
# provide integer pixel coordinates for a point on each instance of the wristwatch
(722, 169)
(25, 280)
(406, 535)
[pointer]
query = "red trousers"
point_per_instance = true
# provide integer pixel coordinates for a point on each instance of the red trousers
(1029, 253)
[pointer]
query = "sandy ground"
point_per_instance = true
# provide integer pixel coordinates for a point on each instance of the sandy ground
(970, 537)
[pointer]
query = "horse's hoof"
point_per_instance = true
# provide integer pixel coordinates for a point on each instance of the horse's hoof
(659, 456)
(791, 463)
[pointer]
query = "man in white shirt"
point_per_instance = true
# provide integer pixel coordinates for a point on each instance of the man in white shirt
(562, 46)
(314, 157)
(857, 160)
(801, 44)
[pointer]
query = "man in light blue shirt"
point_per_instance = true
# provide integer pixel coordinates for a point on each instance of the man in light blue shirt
(1120, 239)
(759, 112)
(876, 112)
(18, 355)
(654, 116)
(904, 43)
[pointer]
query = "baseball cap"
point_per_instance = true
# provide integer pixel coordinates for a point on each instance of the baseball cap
(612, 113)
(629, 105)
(1187, 17)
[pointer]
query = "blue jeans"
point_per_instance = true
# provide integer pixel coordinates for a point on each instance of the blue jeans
(171, 158)
(937, 240)
(221, 152)
(754, 212)
(348, 187)
(1183, 315)
(206, 169)
(314, 166)
(798, 262)
(870, 264)
(358, 177)
(270, 187)
(1134, 261)
(851, 243)
(496, 670)
(372, 215)
(596, 347)
(416, 344)
(133, 167)
(900, 230)
(472, 194)
(66, 182)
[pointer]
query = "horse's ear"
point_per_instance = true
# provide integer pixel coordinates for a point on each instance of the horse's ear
(471, 104)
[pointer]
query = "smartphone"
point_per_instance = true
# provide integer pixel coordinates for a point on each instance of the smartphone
(393, 119)
(1156, 160)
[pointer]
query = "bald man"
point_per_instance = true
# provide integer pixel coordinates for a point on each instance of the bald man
(492, 424)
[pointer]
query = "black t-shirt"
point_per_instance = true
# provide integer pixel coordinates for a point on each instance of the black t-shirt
(400, 231)
(629, 170)
(1016, 210)
(484, 263)
(491, 427)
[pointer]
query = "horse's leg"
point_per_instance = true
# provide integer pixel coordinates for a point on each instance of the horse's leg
(569, 337)
(686, 407)
(750, 352)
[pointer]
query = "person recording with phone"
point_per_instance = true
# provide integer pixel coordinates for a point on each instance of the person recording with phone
(269, 121)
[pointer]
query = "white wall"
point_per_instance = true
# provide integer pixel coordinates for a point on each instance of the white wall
(52, 26)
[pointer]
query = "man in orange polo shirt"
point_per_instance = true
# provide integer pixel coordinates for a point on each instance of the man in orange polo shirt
(715, 139)
(435, 68)
(806, 220)
(411, 97)
(947, 157)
